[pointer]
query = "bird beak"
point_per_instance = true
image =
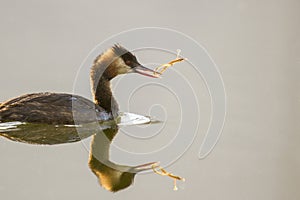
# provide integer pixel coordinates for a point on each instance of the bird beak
(140, 69)
(145, 167)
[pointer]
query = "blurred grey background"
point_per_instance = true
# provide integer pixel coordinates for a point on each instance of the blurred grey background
(254, 43)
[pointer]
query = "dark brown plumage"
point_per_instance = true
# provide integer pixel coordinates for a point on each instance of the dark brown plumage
(43, 108)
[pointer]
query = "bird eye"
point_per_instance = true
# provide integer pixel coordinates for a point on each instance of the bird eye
(128, 62)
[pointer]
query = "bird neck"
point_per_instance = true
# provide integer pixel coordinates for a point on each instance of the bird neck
(101, 74)
(103, 96)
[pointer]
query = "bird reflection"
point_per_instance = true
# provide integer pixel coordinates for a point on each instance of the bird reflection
(111, 176)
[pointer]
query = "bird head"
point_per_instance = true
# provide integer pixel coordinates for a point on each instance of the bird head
(117, 60)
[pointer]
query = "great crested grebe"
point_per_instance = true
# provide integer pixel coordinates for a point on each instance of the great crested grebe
(57, 108)
(45, 112)
(42, 113)
(50, 109)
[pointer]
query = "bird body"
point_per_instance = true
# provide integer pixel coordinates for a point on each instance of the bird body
(52, 108)
(59, 108)
(69, 109)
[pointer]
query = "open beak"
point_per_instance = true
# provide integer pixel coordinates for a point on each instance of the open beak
(140, 69)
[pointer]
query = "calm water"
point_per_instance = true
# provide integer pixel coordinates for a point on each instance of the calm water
(59, 134)
(112, 176)
(256, 46)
